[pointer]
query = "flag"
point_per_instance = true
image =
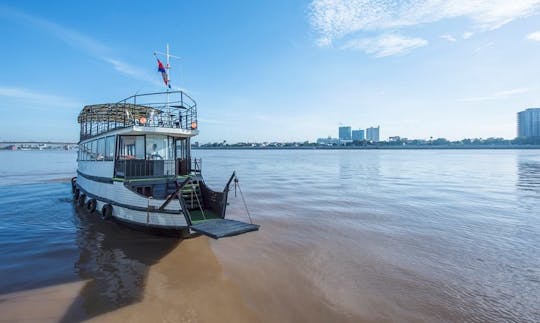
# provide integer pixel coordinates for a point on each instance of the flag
(163, 72)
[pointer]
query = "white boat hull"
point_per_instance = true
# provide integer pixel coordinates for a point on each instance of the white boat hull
(131, 207)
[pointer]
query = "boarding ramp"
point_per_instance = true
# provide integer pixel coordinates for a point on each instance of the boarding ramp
(205, 208)
(220, 228)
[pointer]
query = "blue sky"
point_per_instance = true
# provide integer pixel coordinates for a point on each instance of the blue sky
(277, 70)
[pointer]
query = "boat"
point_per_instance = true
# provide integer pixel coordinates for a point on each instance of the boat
(135, 166)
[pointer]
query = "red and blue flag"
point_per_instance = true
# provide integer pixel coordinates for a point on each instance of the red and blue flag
(163, 72)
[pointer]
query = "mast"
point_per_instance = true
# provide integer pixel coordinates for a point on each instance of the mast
(168, 57)
(167, 68)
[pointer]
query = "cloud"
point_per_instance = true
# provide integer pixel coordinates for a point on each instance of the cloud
(497, 95)
(130, 70)
(484, 47)
(534, 36)
(40, 99)
(449, 37)
(386, 45)
(467, 35)
(334, 20)
(80, 41)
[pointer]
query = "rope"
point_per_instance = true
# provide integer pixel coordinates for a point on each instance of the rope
(244, 201)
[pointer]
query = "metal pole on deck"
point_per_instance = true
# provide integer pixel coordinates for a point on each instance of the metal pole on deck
(168, 70)
(168, 67)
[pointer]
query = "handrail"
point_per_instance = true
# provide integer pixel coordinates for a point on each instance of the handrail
(233, 176)
(197, 165)
(156, 93)
(180, 199)
(171, 197)
(198, 201)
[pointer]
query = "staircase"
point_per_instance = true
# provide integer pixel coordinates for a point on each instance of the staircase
(192, 199)
(191, 193)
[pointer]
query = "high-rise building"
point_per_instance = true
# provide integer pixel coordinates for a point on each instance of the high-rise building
(345, 133)
(358, 135)
(529, 123)
(372, 134)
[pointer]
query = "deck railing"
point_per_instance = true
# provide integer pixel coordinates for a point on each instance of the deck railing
(142, 168)
(173, 109)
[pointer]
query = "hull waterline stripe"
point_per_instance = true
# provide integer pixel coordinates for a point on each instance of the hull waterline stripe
(105, 180)
(162, 230)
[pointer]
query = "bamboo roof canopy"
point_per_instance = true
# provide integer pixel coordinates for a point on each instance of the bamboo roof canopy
(111, 112)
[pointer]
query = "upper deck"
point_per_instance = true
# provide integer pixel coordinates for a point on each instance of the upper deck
(173, 110)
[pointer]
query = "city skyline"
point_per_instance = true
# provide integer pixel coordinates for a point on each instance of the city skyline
(347, 134)
(424, 70)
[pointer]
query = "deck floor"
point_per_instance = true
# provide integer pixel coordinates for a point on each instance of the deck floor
(197, 215)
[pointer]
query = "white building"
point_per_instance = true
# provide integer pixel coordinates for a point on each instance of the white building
(529, 123)
(372, 134)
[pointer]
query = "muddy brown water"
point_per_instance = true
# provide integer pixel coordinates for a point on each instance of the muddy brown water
(346, 236)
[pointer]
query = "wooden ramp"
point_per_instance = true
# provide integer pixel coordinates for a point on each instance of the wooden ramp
(219, 228)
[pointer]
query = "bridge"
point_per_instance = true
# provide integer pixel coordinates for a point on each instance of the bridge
(36, 145)
(52, 143)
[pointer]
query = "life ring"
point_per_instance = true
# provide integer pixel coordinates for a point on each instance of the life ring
(91, 205)
(82, 199)
(106, 211)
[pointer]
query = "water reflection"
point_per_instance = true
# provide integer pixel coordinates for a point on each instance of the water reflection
(358, 163)
(528, 175)
(115, 261)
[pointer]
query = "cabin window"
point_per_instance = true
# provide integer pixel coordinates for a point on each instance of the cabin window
(100, 149)
(159, 147)
(93, 150)
(131, 147)
(86, 151)
(182, 148)
(82, 152)
(109, 148)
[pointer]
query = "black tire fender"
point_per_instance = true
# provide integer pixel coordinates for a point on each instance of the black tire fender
(82, 199)
(73, 184)
(106, 212)
(91, 205)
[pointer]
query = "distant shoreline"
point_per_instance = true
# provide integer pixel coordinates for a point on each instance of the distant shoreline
(408, 147)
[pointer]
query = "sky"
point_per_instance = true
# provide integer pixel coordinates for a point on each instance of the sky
(276, 70)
